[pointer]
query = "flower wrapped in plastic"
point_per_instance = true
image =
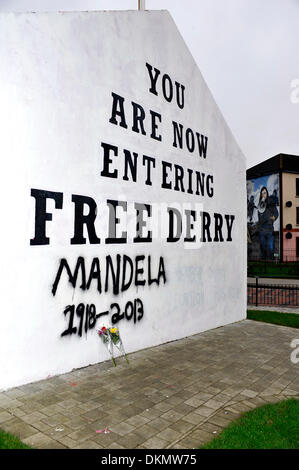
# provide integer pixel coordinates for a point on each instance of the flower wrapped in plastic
(111, 338)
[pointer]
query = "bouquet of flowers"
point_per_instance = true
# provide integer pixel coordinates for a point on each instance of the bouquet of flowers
(111, 338)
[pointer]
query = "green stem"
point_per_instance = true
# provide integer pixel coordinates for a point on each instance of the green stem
(114, 362)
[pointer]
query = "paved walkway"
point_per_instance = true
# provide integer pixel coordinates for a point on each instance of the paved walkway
(273, 308)
(274, 280)
(177, 395)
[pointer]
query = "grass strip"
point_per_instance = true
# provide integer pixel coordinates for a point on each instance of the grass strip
(9, 441)
(273, 426)
(276, 318)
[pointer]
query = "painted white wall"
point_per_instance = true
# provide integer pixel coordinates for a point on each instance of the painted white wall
(57, 73)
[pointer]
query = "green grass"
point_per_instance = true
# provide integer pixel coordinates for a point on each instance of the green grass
(288, 270)
(277, 318)
(273, 426)
(8, 441)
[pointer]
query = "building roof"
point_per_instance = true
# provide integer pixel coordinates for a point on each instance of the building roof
(280, 163)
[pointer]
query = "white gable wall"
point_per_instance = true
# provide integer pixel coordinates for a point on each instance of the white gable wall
(58, 72)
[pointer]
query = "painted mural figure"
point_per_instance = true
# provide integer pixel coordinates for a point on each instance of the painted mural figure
(250, 208)
(263, 217)
(267, 214)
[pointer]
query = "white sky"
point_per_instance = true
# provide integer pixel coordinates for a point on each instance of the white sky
(247, 51)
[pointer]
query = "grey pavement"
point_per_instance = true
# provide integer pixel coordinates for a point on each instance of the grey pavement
(274, 280)
(272, 308)
(177, 395)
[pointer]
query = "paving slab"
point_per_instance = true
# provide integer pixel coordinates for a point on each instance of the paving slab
(177, 395)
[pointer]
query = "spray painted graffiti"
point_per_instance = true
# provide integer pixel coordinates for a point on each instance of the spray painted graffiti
(115, 275)
(119, 273)
(87, 315)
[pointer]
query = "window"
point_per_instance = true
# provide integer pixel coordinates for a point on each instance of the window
(297, 215)
(297, 186)
(297, 246)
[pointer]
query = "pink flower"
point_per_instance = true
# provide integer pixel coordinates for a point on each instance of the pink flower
(102, 331)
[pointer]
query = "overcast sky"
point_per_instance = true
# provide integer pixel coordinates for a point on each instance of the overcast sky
(247, 51)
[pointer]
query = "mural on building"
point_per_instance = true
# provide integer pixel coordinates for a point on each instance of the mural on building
(263, 217)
